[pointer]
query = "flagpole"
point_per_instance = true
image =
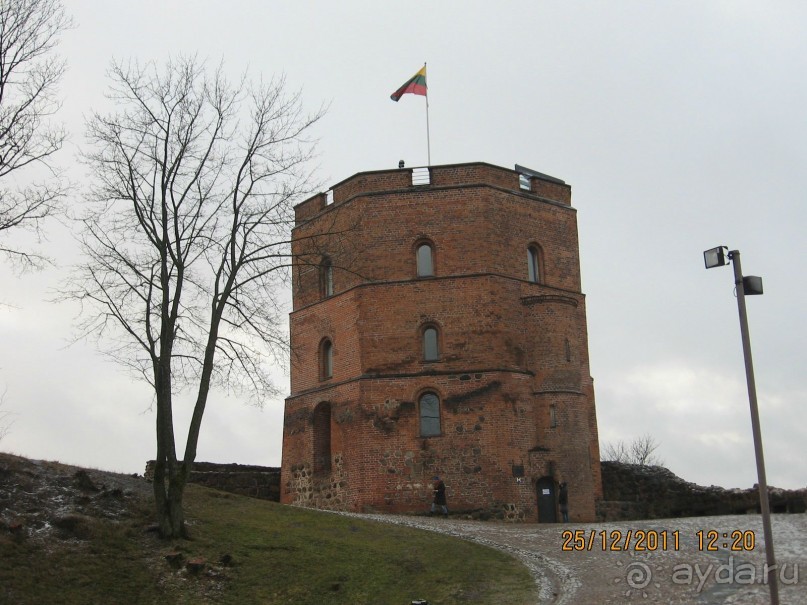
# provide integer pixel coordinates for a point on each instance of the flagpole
(428, 137)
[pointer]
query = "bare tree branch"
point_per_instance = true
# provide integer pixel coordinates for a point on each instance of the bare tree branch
(639, 451)
(29, 78)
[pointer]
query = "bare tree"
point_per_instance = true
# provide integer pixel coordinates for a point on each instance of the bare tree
(615, 451)
(642, 451)
(187, 239)
(29, 76)
(639, 451)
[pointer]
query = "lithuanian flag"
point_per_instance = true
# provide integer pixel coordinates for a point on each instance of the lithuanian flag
(416, 85)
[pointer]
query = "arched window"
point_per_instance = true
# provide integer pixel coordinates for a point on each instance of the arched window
(534, 264)
(326, 359)
(429, 415)
(431, 344)
(322, 438)
(425, 260)
(326, 277)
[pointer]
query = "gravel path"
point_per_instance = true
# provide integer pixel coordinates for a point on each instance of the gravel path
(688, 575)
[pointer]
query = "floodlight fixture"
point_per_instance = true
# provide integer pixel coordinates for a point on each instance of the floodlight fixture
(716, 257)
(752, 284)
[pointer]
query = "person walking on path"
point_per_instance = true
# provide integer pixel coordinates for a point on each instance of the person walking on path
(439, 496)
(563, 501)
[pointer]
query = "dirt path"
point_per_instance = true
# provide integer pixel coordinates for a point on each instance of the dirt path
(684, 572)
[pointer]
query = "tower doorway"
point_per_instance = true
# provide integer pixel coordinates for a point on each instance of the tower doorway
(547, 511)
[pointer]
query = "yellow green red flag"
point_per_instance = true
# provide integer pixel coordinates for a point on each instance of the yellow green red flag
(415, 85)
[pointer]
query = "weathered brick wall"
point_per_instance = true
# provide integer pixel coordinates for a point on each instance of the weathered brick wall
(552, 191)
(370, 182)
(309, 208)
(476, 173)
(474, 230)
(451, 175)
(512, 352)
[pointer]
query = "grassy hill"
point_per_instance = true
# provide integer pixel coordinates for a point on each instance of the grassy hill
(78, 536)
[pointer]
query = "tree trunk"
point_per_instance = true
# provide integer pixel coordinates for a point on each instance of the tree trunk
(170, 475)
(169, 491)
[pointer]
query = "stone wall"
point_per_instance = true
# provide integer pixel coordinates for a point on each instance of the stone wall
(631, 491)
(244, 479)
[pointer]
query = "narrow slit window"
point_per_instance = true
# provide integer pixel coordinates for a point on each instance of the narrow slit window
(327, 359)
(533, 265)
(429, 415)
(425, 260)
(431, 346)
(326, 277)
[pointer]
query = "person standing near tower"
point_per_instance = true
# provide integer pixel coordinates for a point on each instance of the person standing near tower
(439, 496)
(563, 501)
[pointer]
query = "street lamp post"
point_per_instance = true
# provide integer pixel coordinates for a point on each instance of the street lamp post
(750, 284)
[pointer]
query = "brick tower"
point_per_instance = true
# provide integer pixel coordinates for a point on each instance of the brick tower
(439, 328)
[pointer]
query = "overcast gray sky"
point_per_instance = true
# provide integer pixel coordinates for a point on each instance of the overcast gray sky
(679, 125)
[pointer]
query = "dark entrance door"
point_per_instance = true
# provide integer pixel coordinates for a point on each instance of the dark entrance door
(547, 512)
